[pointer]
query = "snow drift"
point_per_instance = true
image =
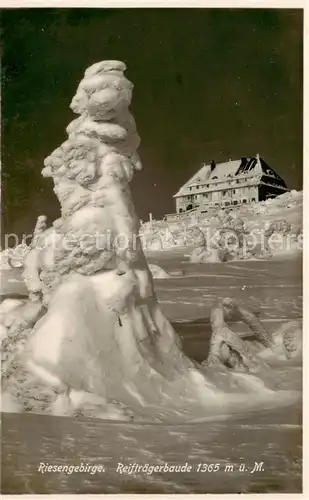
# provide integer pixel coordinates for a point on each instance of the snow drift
(157, 272)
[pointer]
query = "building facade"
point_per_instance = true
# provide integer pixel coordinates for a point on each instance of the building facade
(229, 184)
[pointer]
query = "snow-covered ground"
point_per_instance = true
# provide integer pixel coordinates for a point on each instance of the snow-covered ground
(271, 437)
(157, 272)
(164, 235)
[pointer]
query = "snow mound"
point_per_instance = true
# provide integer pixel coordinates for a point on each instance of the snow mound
(13, 257)
(157, 272)
(202, 255)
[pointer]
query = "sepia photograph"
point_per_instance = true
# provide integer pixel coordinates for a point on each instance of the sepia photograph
(151, 259)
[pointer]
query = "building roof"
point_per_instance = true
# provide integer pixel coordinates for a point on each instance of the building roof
(223, 170)
(250, 165)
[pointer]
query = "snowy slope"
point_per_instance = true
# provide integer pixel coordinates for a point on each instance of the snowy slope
(164, 235)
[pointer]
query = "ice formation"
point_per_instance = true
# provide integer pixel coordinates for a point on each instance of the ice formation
(226, 346)
(99, 330)
(285, 344)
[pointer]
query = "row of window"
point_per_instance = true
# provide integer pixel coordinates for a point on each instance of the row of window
(217, 204)
(202, 186)
(235, 202)
(224, 204)
(205, 195)
(229, 203)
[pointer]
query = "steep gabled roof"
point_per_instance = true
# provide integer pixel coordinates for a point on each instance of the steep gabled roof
(267, 170)
(248, 164)
(200, 176)
(223, 171)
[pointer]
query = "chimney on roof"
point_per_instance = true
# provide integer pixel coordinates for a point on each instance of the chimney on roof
(212, 165)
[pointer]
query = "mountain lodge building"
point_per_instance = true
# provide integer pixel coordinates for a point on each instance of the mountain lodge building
(233, 183)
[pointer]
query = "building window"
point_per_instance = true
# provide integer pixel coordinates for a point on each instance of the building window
(224, 193)
(253, 199)
(235, 202)
(244, 201)
(226, 203)
(234, 191)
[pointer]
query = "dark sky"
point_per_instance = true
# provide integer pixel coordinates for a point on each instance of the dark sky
(209, 84)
